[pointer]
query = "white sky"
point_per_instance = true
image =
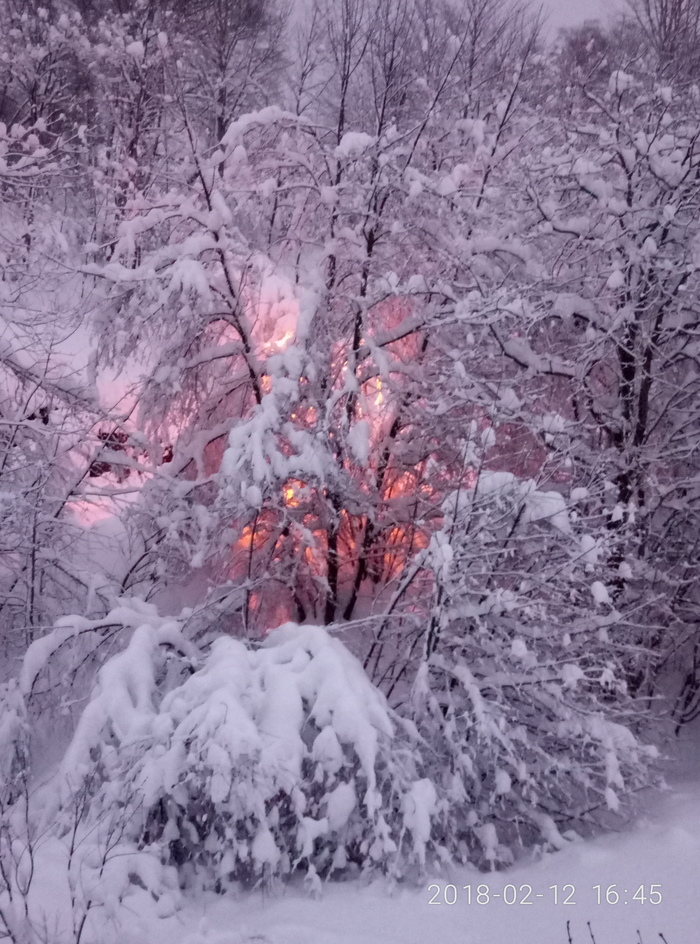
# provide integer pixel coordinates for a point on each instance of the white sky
(571, 12)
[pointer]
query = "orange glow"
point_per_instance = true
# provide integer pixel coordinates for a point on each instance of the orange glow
(375, 394)
(400, 544)
(253, 537)
(402, 484)
(291, 499)
(347, 539)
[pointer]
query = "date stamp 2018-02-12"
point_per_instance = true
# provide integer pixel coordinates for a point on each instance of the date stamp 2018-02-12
(566, 894)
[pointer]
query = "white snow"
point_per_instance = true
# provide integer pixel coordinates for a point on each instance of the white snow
(135, 50)
(327, 751)
(263, 848)
(488, 837)
(495, 482)
(419, 806)
(503, 782)
(620, 82)
(625, 571)
(519, 649)
(616, 279)
(354, 144)
(600, 592)
(509, 400)
(359, 441)
(553, 423)
(589, 549)
(548, 506)
(571, 674)
(662, 850)
(340, 803)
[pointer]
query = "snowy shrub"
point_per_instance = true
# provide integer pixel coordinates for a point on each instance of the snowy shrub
(520, 694)
(243, 763)
(260, 762)
(16, 860)
(519, 757)
(13, 738)
(271, 759)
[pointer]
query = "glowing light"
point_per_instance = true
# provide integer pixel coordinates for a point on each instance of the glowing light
(252, 538)
(290, 496)
(281, 343)
(379, 396)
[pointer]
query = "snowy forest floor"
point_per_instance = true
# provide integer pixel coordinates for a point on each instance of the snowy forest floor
(661, 848)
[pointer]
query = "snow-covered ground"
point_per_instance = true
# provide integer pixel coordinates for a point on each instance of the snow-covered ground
(660, 852)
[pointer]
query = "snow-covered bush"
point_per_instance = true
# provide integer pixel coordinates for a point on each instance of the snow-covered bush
(16, 861)
(247, 763)
(520, 694)
(270, 759)
(13, 738)
(242, 763)
(520, 757)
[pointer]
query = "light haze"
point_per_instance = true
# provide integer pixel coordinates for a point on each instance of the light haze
(563, 13)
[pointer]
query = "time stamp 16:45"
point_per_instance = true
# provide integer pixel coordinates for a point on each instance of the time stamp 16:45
(510, 894)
